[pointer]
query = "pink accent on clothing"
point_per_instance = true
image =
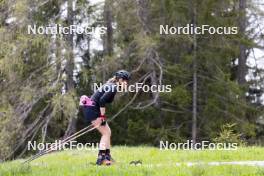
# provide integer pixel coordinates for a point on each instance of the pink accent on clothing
(86, 101)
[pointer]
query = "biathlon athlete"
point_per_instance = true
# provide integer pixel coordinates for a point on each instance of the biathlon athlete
(94, 112)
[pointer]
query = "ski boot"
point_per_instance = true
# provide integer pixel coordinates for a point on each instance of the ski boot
(100, 160)
(108, 160)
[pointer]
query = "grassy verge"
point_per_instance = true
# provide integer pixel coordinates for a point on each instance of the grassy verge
(155, 162)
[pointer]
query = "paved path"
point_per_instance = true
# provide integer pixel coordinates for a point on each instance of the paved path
(243, 163)
(214, 163)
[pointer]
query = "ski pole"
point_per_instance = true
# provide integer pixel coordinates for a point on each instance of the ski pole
(52, 148)
(66, 140)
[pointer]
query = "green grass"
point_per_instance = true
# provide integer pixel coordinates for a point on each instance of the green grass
(155, 163)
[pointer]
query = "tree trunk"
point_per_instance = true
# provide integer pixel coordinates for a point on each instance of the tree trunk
(69, 68)
(108, 17)
(108, 37)
(242, 60)
(70, 61)
(194, 104)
